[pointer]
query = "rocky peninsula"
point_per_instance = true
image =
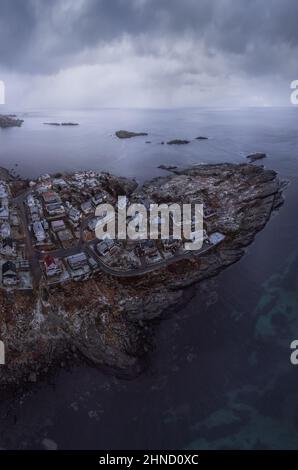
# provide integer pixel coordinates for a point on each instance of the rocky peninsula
(107, 319)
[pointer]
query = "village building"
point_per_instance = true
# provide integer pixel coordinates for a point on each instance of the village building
(39, 231)
(9, 274)
(57, 225)
(77, 261)
(52, 266)
(4, 212)
(5, 230)
(87, 207)
(74, 215)
(7, 247)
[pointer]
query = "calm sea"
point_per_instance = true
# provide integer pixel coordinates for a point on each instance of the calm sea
(220, 375)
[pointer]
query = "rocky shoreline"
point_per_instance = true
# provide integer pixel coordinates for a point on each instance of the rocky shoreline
(108, 320)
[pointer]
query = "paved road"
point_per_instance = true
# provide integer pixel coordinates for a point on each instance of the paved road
(148, 268)
(31, 252)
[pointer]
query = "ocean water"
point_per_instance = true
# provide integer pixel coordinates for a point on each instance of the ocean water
(220, 374)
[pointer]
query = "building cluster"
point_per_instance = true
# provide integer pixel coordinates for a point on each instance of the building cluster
(49, 232)
(56, 210)
(14, 263)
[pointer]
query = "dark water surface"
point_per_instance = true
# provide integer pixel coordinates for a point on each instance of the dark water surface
(220, 375)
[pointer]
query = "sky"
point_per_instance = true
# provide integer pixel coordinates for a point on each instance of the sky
(148, 53)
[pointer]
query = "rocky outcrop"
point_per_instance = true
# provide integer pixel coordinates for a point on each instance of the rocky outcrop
(119, 185)
(60, 124)
(108, 320)
(178, 142)
(10, 121)
(167, 167)
(128, 135)
(69, 124)
(256, 156)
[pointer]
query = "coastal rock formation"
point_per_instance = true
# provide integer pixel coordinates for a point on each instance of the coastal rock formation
(256, 156)
(167, 167)
(60, 124)
(108, 319)
(128, 135)
(10, 121)
(178, 142)
(69, 124)
(119, 185)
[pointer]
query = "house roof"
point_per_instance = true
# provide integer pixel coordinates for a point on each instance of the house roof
(50, 261)
(8, 242)
(8, 266)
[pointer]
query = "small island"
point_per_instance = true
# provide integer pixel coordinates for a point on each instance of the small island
(178, 142)
(128, 134)
(10, 121)
(60, 124)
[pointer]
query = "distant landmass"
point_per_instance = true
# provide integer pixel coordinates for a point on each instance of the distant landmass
(61, 124)
(10, 120)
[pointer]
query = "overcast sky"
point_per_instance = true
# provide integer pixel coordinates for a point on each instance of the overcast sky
(148, 53)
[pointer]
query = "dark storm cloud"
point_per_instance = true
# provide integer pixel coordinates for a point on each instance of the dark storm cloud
(43, 36)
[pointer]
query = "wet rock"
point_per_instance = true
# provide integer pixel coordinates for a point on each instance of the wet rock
(167, 167)
(69, 124)
(256, 156)
(128, 134)
(178, 142)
